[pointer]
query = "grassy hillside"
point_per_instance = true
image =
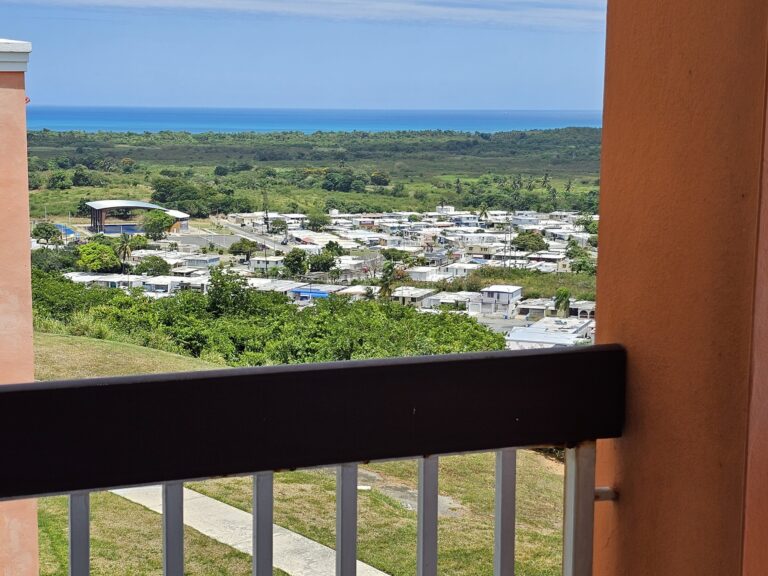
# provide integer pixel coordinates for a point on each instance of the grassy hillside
(127, 535)
(125, 538)
(60, 357)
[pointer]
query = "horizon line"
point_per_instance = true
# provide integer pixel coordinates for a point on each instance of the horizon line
(311, 109)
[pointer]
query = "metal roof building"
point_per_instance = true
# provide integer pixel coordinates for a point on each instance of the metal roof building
(100, 208)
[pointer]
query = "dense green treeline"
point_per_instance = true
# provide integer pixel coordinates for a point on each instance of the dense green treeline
(555, 146)
(204, 174)
(238, 326)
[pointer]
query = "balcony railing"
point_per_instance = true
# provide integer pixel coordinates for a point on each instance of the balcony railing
(74, 437)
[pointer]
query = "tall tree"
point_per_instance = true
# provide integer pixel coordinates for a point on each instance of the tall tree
(157, 223)
(295, 262)
(153, 266)
(96, 257)
(317, 221)
(388, 277)
(123, 250)
(46, 231)
(279, 226)
(530, 241)
(562, 301)
(245, 247)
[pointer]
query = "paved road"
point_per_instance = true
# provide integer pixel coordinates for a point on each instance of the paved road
(218, 240)
(269, 242)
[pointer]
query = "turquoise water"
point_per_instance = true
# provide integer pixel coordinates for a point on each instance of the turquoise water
(258, 120)
(122, 229)
(66, 230)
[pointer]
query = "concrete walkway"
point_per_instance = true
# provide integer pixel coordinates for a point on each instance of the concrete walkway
(293, 553)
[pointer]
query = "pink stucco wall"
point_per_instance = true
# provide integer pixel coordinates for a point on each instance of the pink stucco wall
(18, 520)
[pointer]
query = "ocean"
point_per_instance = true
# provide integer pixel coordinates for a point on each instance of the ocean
(60, 118)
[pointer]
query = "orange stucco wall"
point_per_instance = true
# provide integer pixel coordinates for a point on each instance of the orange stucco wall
(18, 520)
(756, 503)
(681, 184)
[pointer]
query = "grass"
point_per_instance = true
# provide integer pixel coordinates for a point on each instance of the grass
(126, 537)
(59, 357)
(305, 503)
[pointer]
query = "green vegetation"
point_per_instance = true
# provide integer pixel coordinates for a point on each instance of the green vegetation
(59, 356)
(581, 285)
(90, 330)
(529, 241)
(152, 266)
(295, 262)
(203, 174)
(562, 301)
(125, 538)
(238, 326)
(96, 257)
(156, 224)
(305, 500)
(46, 232)
(245, 247)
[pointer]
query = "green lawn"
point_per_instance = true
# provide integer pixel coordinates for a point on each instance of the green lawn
(128, 536)
(305, 503)
(125, 538)
(59, 357)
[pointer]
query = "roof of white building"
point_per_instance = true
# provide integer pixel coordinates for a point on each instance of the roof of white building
(502, 288)
(112, 204)
(411, 292)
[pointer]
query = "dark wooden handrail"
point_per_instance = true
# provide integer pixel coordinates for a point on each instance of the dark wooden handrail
(68, 436)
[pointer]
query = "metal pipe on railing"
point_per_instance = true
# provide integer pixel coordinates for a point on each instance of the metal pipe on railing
(263, 514)
(426, 546)
(505, 512)
(346, 520)
(173, 529)
(579, 517)
(79, 534)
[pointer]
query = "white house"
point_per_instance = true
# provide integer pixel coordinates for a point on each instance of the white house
(409, 295)
(503, 294)
(263, 264)
(426, 274)
(202, 261)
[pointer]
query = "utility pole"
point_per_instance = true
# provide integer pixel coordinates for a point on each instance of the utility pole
(507, 240)
(266, 209)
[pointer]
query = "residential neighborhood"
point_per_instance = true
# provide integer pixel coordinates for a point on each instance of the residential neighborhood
(349, 254)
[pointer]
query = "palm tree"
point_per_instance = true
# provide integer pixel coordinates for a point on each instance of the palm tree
(387, 280)
(562, 301)
(124, 250)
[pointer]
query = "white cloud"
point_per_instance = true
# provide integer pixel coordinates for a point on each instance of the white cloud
(584, 14)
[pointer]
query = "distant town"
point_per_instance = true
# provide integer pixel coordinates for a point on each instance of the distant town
(412, 258)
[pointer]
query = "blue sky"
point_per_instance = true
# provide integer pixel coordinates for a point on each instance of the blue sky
(365, 54)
